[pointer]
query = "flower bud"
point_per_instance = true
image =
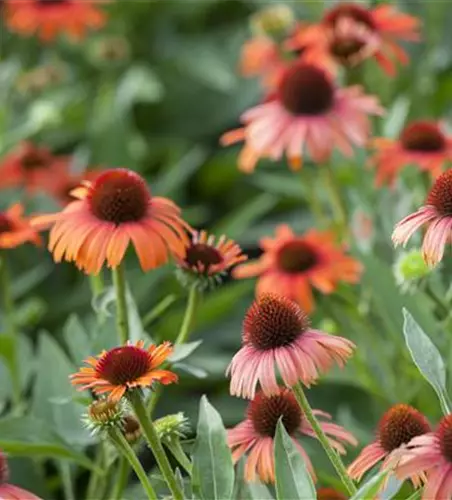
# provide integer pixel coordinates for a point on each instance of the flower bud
(274, 21)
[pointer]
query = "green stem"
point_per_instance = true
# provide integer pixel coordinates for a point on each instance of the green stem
(122, 315)
(179, 454)
(95, 478)
(338, 205)
(122, 476)
(154, 442)
(127, 451)
(97, 284)
(67, 481)
(331, 453)
(154, 399)
(8, 312)
(185, 328)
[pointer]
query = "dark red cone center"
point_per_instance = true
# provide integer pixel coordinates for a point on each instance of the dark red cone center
(353, 11)
(273, 321)
(440, 195)
(119, 196)
(345, 48)
(444, 434)
(52, 2)
(423, 137)
(123, 365)
(5, 223)
(264, 412)
(399, 425)
(306, 90)
(203, 254)
(297, 257)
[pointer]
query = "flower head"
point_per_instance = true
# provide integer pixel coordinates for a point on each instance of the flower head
(397, 427)
(15, 230)
(410, 269)
(329, 494)
(306, 112)
(255, 434)
(172, 427)
(9, 491)
(49, 18)
(431, 454)
(123, 368)
(437, 214)
(381, 28)
(421, 143)
(277, 334)
(291, 265)
(104, 414)
(26, 166)
(273, 21)
(205, 262)
(110, 213)
(131, 428)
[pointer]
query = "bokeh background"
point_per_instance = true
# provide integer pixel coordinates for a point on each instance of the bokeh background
(153, 91)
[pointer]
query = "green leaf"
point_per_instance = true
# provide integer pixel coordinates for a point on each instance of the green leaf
(213, 472)
(191, 370)
(292, 478)
(244, 490)
(427, 358)
(139, 84)
(53, 393)
(371, 488)
(29, 436)
(77, 339)
(391, 489)
(182, 351)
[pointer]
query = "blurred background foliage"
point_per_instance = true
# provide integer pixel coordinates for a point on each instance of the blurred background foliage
(153, 91)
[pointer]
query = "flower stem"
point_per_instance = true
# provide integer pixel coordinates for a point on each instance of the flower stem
(154, 442)
(126, 450)
(178, 453)
(331, 453)
(185, 328)
(337, 203)
(122, 315)
(122, 475)
(11, 331)
(95, 480)
(97, 284)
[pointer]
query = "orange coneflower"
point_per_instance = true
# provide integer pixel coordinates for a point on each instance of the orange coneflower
(123, 368)
(292, 264)
(49, 18)
(421, 143)
(15, 230)
(114, 210)
(26, 166)
(205, 260)
(308, 112)
(255, 435)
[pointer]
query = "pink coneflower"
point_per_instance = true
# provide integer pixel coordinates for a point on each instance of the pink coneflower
(432, 454)
(277, 334)
(9, 491)
(255, 434)
(421, 143)
(437, 213)
(307, 112)
(396, 428)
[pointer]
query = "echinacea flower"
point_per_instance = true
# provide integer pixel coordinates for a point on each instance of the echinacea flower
(422, 143)
(277, 336)
(307, 112)
(9, 491)
(49, 18)
(437, 214)
(123, 368)
(382, 28)
(25, 166)
(396, 428)
(431, 454)
(329, 494)
(255, 435)
(205, 261)
(110, 213)
(292, 264)
(15, 230)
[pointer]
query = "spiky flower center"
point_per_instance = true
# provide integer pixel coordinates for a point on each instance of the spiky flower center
(273, 321)
(4, 470)
(5, 223)
(423, 137)
(306, 90)
(119, 196)
(265, 412)
(399, 425)
(440, 195)
(201, 254)
(330, 494)
(123, 365)
(104, 411)
(297, 257)
(131, 428)
(52, 2)
(353, 11)
(444, 434)
(345, 48)
(34, 160)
